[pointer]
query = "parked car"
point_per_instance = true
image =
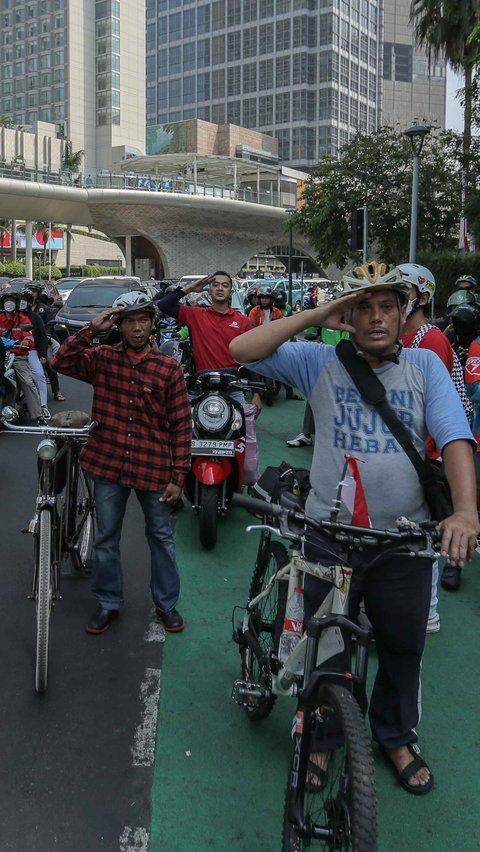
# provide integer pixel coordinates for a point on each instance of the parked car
(89, 298)
(66, 285)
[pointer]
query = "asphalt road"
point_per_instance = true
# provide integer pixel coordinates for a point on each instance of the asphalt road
(76, 763)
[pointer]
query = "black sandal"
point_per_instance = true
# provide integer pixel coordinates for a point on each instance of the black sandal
(320, 775)
(417, 763)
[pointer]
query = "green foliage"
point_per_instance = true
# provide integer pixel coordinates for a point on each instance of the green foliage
(91, 271)
(376, 170)
(12, 268)
(72, 160)
(472, 212)
(447, 266)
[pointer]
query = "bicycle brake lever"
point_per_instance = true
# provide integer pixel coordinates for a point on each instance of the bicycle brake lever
(254, 527)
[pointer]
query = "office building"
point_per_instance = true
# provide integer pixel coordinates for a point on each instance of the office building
(79, 64)
(304, 71)
(309, 72)
(414, 89)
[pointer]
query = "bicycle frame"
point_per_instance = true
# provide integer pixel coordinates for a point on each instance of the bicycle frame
(330, 620)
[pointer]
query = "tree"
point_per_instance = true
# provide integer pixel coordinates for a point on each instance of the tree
(72, 160)
(6, 121)
(445, 27)
(376, 170)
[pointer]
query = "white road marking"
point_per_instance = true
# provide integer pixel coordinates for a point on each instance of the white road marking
(143, 749)
(134, 840)
(155, 632)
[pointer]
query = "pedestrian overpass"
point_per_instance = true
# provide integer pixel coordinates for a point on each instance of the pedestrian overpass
(192, 230)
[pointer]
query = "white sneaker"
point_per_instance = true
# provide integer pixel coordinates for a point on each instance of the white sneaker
(300, 441)
(433, 624)
(45, 413)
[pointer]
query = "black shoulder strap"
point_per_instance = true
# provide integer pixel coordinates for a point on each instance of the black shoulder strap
(373, 393)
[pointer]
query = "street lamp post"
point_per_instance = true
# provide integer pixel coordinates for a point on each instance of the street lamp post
(416, 134)
(290, 210)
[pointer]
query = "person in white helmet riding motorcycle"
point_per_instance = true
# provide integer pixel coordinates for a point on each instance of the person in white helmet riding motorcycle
(397, 592)
(418, 332)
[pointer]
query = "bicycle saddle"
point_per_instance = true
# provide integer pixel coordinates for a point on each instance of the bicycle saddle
(70, 419)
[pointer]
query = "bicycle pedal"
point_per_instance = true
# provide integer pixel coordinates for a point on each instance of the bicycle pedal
(249, 694)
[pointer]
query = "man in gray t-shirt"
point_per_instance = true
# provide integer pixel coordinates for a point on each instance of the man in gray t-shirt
(419, 388)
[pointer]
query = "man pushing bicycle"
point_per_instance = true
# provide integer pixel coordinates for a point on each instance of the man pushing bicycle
(419, 390)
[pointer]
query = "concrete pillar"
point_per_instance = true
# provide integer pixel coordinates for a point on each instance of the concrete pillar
(13, 240)
(128, 255)
(28, 249)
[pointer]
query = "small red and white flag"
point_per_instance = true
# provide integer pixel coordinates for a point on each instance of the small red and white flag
(353, 494)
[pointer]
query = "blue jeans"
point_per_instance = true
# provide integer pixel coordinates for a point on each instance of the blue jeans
(107, 578)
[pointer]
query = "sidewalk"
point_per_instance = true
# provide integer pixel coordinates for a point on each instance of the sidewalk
(219, 778)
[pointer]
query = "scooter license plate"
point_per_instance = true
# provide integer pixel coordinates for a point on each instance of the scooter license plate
(202, 447)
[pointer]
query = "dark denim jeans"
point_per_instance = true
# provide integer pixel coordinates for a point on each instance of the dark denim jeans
(107, 578)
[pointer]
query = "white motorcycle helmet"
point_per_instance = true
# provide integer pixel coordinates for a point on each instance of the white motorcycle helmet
(133, 301)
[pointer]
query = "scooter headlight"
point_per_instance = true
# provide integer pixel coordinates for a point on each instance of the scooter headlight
(47, 449)
(213, 413)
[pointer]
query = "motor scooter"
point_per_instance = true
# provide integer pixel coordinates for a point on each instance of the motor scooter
(218, 449)
(10, 391)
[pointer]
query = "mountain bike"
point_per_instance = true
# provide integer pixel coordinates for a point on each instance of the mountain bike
(279, 658)
(63, 522)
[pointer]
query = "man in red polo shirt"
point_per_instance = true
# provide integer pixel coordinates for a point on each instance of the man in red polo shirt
(212, 328)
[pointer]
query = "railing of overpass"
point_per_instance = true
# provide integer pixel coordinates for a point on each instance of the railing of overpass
(147, 183)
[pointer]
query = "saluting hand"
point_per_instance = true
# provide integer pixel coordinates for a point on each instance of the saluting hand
(106, 319)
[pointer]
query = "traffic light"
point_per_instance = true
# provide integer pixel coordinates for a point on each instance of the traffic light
(356, 229)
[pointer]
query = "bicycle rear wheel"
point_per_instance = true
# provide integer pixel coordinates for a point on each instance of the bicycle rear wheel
(266, 620)
(43, 597)
(80, 519)
(343, 814)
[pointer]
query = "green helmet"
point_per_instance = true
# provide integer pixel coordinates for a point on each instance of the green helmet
(459, 297)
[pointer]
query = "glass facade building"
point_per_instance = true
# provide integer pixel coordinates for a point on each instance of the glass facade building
(305, 71)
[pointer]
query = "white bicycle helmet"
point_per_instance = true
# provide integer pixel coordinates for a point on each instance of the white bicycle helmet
(135, 300)
(373, 276)
(419, 276)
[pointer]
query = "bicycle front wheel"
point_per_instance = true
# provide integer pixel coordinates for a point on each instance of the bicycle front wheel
(266, 621)
(341, 812)
(43, 597)
(80, 520)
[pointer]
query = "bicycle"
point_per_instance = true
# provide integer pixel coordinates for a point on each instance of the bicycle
(276, 660)
(63, 522)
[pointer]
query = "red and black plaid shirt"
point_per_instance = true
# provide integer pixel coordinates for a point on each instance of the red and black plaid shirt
(144, 432)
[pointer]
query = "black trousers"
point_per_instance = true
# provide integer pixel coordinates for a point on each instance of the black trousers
(396, 590)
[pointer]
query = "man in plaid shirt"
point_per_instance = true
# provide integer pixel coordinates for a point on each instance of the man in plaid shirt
(142, 441)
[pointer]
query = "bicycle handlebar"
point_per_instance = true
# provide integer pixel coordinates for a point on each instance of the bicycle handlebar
(50, 431)
(342, 532)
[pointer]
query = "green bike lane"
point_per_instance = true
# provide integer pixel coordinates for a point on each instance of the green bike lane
(219, 779)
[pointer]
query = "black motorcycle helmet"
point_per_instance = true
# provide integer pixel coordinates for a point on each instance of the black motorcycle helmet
(466, 323)
(265, 293)
(280, 298)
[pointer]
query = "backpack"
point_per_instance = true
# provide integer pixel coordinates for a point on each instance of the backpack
(275, 480)
(456, 375)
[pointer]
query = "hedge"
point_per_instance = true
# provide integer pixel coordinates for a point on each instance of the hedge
(88, 271)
